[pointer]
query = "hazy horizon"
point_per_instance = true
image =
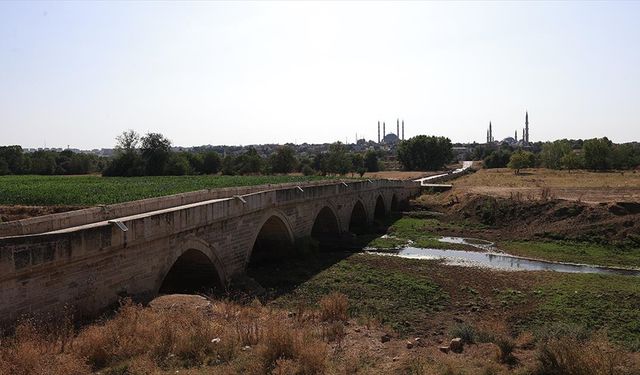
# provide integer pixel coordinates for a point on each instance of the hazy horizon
(241, 73)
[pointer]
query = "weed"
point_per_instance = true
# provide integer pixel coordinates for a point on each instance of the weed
(464, 331)
(568, 356)
(333, 307)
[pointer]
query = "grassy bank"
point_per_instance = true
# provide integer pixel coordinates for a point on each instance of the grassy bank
(420, 232)
(386, 294)
(591, 302)
(575, 252)
(92, 190)
(420, 296)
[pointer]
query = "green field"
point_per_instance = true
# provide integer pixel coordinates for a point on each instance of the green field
(93, 190)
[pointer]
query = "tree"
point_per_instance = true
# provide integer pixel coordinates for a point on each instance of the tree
(127, 141)
(371, 161)
(625, 156)
(307, 170)
(43, 162)
(14, 158)
(553, 152)
(425, 153)
(4, 168)
(521, 160)
(283, 160)
(229, 166)
(177, 165)
(321, 163)
(338, 160)
(125, 164)
(497, 159)
(155, 150)
(211, 162)
(249, 162)
(597, 153)
(572, 161)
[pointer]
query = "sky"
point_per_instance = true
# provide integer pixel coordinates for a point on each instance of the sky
(237, 73)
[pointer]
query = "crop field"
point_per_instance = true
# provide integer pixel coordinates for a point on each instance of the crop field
(93, 190)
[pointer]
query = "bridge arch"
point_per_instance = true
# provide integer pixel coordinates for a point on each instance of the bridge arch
(326, 227)
(358, 221)
(325, 223)
(195, 267)
(380, 210)
(273, 239)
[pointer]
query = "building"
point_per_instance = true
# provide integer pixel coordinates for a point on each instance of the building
(511, 141)
(390, 139)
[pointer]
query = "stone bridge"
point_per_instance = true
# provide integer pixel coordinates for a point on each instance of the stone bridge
(88, 259)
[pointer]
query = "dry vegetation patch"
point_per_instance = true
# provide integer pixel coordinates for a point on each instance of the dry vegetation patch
(583, 186)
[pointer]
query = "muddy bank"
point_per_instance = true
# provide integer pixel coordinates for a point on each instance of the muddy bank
(615, 223)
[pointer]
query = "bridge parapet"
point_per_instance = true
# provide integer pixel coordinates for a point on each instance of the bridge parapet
(48, 223)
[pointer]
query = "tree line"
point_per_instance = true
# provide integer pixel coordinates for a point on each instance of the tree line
(152, 155)
(13, 160)
(597, 154)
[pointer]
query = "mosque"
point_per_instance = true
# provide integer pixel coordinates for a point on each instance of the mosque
(512, 141)
(390, 139)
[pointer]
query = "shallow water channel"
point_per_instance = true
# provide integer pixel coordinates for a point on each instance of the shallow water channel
(490, 258)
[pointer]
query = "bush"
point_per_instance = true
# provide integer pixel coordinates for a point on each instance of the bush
(308, 171)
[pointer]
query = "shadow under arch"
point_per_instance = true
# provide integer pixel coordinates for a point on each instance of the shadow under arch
(196, 269)
(326, 228)
(358, 223)
(380, 211)
(273, 240)
(395, 206)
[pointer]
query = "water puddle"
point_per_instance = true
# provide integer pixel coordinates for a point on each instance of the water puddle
(491, 259)
(477, 243)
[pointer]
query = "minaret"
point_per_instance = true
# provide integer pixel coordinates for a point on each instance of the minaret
(378, 131)
(398, 128)
(490, 132)
(403, 130)
(384, 130)
(515, 135)
(488, 136)
(526, 126)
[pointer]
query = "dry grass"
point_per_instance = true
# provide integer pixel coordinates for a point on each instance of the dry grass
(35, 351)
(227, 338)
(569, 356)
(540, 183)
(333, 307)
(138, 340)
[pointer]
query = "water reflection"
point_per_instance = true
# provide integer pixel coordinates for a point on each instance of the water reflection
(505, 261)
